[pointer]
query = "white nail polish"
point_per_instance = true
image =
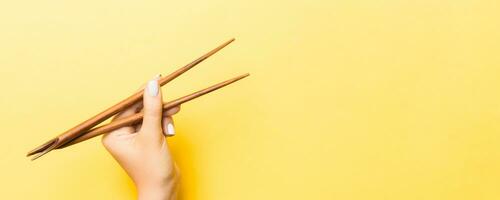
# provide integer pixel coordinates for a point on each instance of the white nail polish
(170, 129)
(153, 87)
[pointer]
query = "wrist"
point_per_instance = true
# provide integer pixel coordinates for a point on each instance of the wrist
(153, 193)
(162, 190)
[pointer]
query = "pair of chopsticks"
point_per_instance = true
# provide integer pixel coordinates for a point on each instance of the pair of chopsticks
(87, 129)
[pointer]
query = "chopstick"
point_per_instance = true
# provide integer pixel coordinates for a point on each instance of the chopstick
(81, 128)
(136, 118)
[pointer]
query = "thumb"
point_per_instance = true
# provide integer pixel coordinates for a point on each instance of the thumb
(151, 123)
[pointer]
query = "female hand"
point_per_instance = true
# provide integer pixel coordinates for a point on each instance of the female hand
(142, 151)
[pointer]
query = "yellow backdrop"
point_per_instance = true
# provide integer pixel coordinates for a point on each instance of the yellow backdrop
(347, 99)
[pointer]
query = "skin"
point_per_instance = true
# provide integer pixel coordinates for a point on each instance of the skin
(143, 152)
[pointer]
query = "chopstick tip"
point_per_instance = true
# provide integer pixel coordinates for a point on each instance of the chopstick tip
(237, 78)
(43, 149)
(243, 75)
(228, 42)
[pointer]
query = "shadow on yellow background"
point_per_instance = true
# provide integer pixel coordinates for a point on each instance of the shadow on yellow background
(347, 99)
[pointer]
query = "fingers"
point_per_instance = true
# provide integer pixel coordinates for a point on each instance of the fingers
(128, 112)
(166, 114)
(109, 138)
(151, 123)
(172, 111)
(135, 108)
(168, 126)
(168, 122)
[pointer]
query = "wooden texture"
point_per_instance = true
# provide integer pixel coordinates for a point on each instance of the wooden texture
(136, 118)
(81, 128)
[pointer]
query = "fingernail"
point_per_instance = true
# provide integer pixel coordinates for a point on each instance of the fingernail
(170, 129)
(153, 86)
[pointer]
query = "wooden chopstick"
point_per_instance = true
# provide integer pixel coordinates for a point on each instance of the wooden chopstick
(80, 129)
(136, 118)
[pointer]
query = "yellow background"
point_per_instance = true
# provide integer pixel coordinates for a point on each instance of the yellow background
(347, 99)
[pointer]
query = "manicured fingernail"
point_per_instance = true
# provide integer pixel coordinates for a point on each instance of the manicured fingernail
(170, 129)
(153, 86)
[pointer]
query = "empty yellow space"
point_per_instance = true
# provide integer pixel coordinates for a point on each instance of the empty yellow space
(379, 100)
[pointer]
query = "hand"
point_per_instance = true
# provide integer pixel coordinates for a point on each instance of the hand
(142, 151)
